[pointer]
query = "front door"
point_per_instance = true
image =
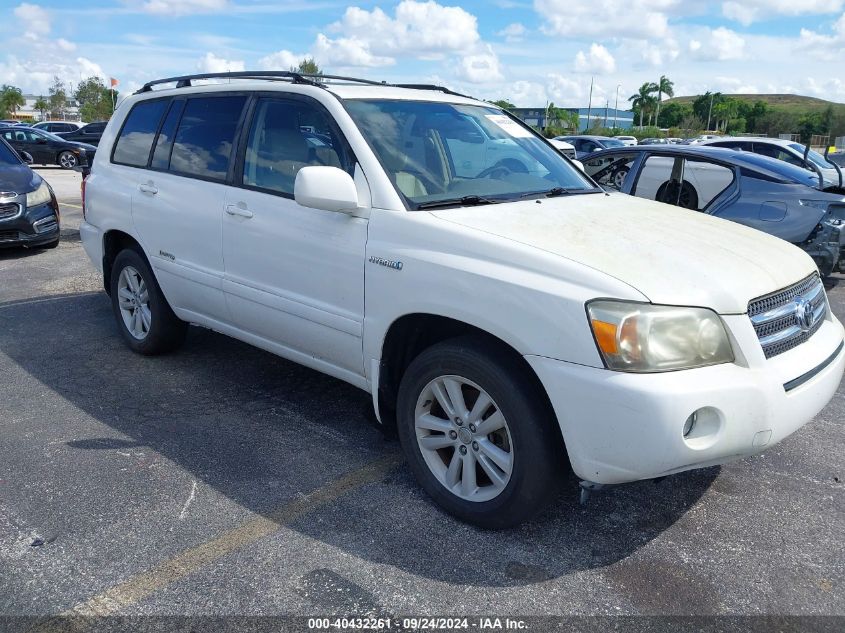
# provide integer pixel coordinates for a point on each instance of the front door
(294, 276)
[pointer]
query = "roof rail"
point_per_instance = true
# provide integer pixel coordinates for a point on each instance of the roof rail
(184, 81)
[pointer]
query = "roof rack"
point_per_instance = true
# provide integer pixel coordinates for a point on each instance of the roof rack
(184, 81)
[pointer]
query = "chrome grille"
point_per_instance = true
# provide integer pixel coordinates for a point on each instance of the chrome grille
(9, 210)
(782, 319)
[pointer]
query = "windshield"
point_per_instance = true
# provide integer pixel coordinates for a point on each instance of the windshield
(813, 156)
(49, 135)
(612, 142)
(461, 154)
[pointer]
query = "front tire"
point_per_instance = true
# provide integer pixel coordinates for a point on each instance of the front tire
(68, 160)
(478, 433)
(145, 320)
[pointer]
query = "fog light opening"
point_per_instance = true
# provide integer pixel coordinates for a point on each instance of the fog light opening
(689, 425)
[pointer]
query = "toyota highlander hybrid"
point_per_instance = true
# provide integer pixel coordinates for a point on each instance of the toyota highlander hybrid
(509, 317)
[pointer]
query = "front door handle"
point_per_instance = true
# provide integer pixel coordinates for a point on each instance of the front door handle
(148, 187)
(238, 210)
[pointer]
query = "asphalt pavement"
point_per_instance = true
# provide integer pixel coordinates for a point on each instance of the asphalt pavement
(224, 480)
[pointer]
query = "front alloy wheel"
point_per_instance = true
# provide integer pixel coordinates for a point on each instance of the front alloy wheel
(68, 160)
(464, 438)
(478, 431)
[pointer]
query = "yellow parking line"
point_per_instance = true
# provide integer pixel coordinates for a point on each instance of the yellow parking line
(138, 587)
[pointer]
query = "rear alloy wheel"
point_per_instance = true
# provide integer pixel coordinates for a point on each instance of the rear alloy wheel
(68, 160)
(146, 321)
(478, 432)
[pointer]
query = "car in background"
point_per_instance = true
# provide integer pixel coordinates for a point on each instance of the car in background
(627, 140)
(702, 138)
(29, 212)
(586, 144)
(48, 149)
(838, 158)
(764, 193)
(654, 141)
(785, 150)
(567, 149)
(90, 133)
(674, 140)
(58, 126)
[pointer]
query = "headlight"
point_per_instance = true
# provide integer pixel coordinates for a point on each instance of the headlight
(640, 337)
(39, 196)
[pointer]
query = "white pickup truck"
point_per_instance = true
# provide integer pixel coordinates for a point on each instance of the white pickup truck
(509, 317)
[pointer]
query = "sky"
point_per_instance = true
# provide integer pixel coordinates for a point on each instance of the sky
(527, 52)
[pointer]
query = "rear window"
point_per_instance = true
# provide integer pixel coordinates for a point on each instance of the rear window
(205, 137)
(136, 138)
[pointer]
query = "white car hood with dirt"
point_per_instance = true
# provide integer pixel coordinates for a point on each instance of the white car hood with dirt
(671, 255)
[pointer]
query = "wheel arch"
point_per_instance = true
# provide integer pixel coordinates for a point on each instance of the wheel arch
(115, 241)
(411, 334)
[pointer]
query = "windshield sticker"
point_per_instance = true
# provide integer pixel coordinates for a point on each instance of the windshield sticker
(509, 126)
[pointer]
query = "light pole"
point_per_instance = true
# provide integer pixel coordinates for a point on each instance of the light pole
(589, 106)
(710, 112)
(616, 108)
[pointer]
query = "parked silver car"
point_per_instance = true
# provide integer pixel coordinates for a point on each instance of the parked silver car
(755, 190)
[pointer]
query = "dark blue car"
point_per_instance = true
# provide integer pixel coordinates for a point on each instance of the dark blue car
(758, 191)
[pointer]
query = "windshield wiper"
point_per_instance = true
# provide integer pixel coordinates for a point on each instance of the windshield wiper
(556, 191)
(468, 201)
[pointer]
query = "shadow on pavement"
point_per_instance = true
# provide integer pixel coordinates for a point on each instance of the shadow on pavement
(262, 430)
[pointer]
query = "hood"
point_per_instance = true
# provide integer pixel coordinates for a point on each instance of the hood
(671, 255)
(18, 178)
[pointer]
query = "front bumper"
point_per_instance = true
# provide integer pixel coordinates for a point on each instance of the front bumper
(622, 427)
(33, 226)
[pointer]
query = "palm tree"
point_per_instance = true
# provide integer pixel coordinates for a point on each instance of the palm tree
(643, 98)
(41, 105)
(664, 87)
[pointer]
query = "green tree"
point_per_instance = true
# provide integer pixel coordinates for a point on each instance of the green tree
(504, 104)
(664, 87)
(643, 100)
(673, 113)
(94, 99)
(11, 98)
(307, 66)
(41, 105)
(57, 98)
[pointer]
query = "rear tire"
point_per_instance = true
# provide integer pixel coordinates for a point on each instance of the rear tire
(494, 464)
(145, 320)
(67, 160)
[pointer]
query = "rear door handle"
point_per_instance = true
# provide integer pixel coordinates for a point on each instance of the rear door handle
(148, 187)
(238, 210)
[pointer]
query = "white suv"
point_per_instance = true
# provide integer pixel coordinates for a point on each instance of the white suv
(505, 321)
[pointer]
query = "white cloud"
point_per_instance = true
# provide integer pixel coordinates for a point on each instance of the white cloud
(183, 7)
(417, 29)
(281, 60)
(826, 47)
(36, 21)
(747, 12)
(718, 44)
(598, 61)
(513, 32)
(592, 18)
(210, 63)
(482, 67)
(65, 45)
(87, 68)
(346, 51)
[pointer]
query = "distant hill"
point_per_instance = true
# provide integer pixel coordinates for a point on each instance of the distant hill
(785, 101)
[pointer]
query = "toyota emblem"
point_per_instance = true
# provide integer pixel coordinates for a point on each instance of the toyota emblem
(804, 314)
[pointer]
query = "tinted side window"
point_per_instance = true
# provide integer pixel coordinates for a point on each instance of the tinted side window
(96, 128)
(286, 136)
(161, 156)
(136, 138)
(203, 143)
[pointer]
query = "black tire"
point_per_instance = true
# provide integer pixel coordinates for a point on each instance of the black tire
(166, 331)
(67, 160)
(538, 456)
(687, 198)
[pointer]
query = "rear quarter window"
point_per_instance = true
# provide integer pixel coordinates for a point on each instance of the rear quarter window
(136, 137)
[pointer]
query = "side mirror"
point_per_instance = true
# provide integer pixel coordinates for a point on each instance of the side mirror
(26, 157)
(578, 164)
(325, 188)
